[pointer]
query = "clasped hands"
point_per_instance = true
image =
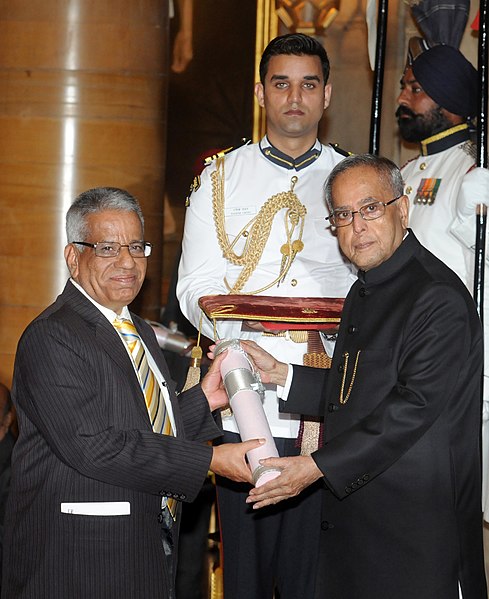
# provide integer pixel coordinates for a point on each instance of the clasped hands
(298, 472)
(229, 460)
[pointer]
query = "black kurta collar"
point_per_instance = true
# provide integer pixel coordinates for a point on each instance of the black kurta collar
(393, 265)
(445, 139)
(277, 157)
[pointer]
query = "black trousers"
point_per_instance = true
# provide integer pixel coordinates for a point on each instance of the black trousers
(193, 545)
(274, 548)
(167, 540)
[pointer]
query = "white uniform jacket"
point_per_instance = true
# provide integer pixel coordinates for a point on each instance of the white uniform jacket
(319, 270)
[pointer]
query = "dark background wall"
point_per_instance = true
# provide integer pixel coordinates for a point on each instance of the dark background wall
(210, 103)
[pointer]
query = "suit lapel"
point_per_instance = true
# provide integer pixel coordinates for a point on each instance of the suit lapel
(112, 344)
(107, 339)
(152, 346)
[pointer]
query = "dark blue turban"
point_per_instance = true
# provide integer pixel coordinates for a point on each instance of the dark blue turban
(449, 79)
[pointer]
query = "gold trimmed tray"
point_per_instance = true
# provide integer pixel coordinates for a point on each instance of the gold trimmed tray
(276, 312)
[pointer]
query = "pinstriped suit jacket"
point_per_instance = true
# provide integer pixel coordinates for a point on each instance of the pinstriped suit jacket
(85, 436)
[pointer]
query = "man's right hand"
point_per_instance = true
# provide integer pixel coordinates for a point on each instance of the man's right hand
(229, 460)
(270, 369)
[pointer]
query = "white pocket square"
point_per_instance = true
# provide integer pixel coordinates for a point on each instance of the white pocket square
(97, 508)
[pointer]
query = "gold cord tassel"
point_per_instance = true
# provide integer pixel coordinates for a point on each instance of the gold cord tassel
(193, 374)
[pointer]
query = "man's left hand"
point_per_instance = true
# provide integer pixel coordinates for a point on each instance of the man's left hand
(297, 473)
(212, 385)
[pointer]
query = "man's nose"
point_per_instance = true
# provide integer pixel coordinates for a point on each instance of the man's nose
(358, 223)
(403, 98)
(125, 257)
(295, 94)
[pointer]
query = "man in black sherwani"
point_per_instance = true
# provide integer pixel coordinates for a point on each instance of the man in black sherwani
(402, 406)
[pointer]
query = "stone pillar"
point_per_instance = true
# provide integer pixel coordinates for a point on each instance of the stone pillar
(83, 105)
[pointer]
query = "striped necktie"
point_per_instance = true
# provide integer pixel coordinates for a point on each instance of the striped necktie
(155, 403)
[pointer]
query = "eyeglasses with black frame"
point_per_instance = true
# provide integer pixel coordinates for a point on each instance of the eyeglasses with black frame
(372, 211)
(111, 249)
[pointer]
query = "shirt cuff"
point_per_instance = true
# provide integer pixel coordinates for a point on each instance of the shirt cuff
(283, 392)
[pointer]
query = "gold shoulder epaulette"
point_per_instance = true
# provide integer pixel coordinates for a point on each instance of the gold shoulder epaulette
(221, 153)
(337, 148)
(209, 160)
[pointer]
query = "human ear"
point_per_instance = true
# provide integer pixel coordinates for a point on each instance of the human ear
(403, 207)
(71, 258)
(328, 88)
(260, 94)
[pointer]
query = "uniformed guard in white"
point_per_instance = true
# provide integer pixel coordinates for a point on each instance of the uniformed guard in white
(256, 225)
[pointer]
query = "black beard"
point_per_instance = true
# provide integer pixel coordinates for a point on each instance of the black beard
(417, 127)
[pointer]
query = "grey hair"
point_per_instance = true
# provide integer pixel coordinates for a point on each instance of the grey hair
(97, 200)
(388, 173)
